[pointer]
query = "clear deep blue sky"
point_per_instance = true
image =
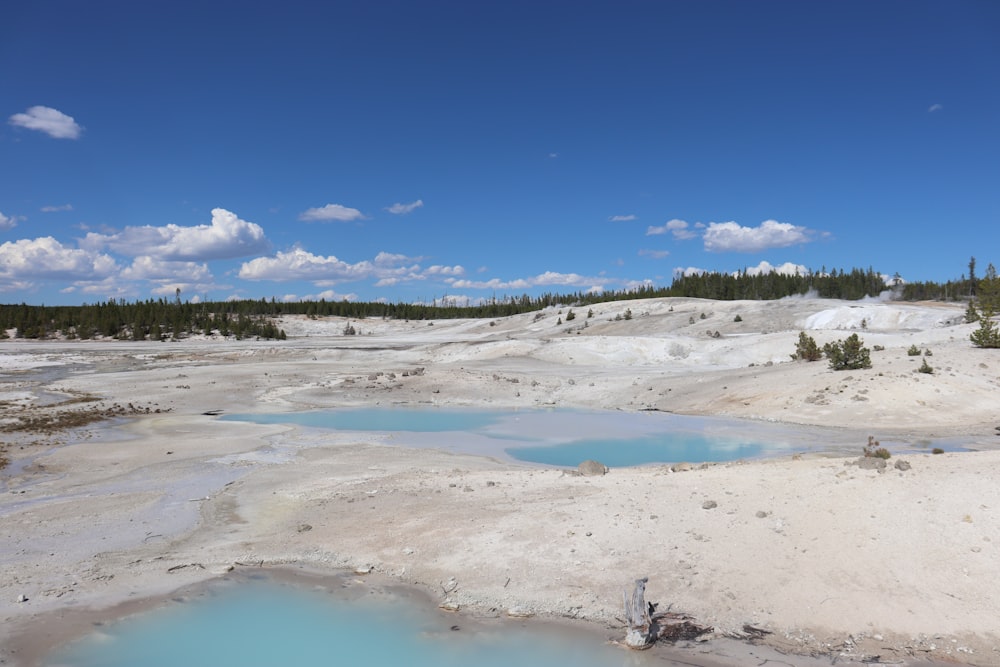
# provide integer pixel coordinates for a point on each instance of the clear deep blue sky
(410, 151)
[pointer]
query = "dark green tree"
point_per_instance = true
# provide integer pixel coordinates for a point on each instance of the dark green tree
(848, 354)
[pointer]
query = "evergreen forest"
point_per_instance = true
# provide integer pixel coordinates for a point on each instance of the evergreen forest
(166, 319)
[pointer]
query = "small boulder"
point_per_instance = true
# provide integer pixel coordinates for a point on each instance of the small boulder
(902, 465)
(709, 505)
(871, 463)
(591, 468)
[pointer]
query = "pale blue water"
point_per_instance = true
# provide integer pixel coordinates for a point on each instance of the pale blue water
(266, 624)
(560, 437)
(659, 448)
(564, 438)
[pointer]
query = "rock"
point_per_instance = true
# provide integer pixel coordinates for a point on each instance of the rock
(519, 612)
(449, 605)
(761, 514)
(680, 467)
(902, 465)
(871, 463)
(591, 468)
(709, 505)
(22, 598)
(304, 528)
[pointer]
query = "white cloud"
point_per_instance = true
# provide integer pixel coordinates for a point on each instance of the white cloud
(334, 212)
(547, 278)
(553, 156)
(403, 209)
(298, 264)
(689, 271)
(623, 218)
(731, 237)
(8, 222)
(56, 209)
(655, 254)
(151, 268)
(51, 121)
(678, 228)
(438, 270)
(935, 107)
(226, 238)
(787, 269)
(45, 258)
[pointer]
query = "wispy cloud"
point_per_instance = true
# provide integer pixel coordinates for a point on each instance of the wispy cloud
(731, 237)
(680, 230)
(622, 218)
(51, 121)
(655, 254)
(56, 209)
(8, 221)
(542, 279)
(403, 209)
(331, 212)
(935, 107)
(227, 237)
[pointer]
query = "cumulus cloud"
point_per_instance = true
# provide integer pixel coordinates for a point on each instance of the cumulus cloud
(45, 258)
(731, 237)
(331, 212)
(299, 264)
(226, 237)
(51, 121)
(680, 230)
(935, 107)
(8, 221)
(56, 209)
(623, 218)
(403, 209)
(153, 269)
(688, 271)
(787, 269)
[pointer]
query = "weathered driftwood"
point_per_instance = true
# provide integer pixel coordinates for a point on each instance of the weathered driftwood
(641, 631)
(646, 625)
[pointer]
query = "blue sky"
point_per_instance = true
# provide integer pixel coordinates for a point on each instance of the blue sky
(410, 151)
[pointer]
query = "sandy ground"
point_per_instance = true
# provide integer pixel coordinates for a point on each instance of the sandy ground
(832, 560)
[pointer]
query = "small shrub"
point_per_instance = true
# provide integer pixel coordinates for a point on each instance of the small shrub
(691, 320)
(928, 353)
(628, 313)
(914, 351)
(737, 318)
(848, 354)
(703, 316)
(559, 322)
(806, 348)
(878, 348)
(925, 368)
(590, 313)
(875, 450)
(570, 315)
(937, 450)
(349, 330)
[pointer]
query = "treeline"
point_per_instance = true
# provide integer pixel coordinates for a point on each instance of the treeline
(172, 319)
(141, 320)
